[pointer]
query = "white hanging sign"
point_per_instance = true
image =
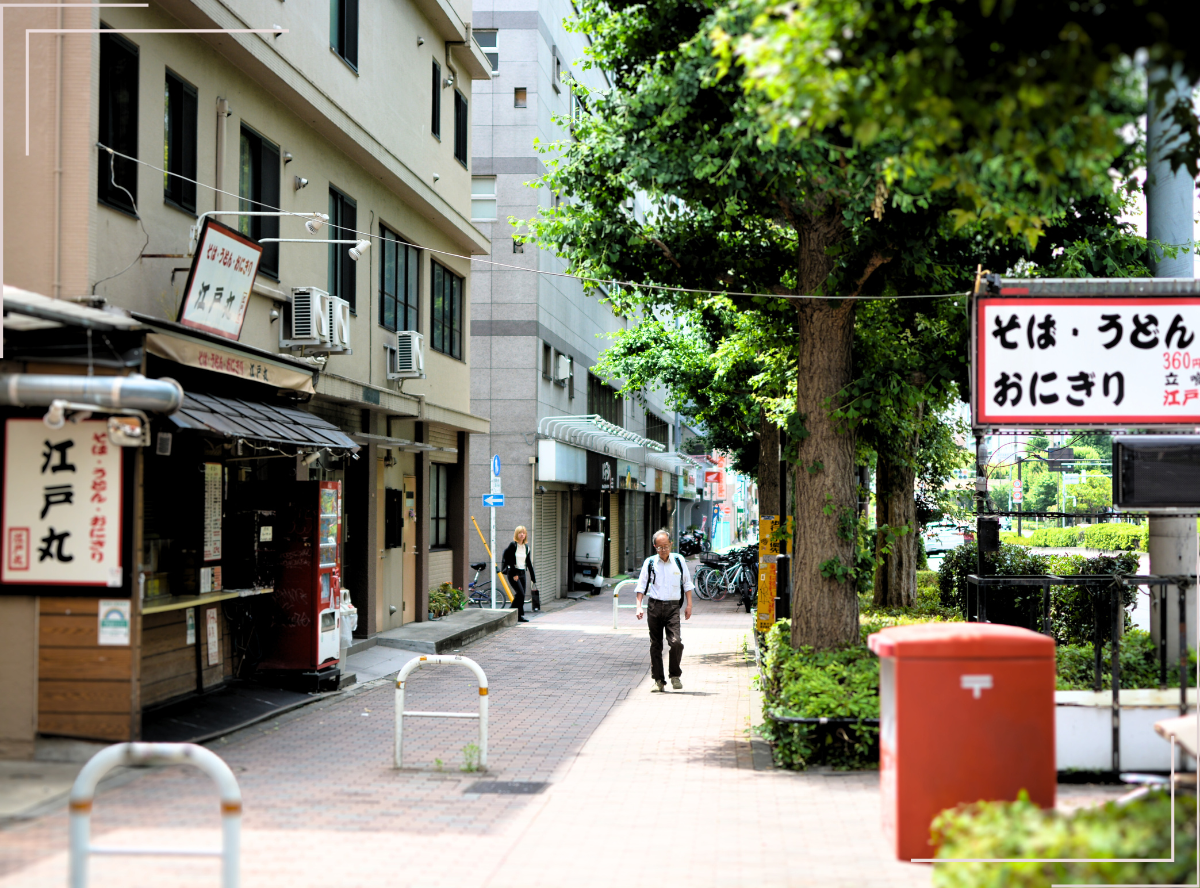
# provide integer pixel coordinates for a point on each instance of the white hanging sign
(218, 286)
(212, 511)
(62, 505)
(1075, 362)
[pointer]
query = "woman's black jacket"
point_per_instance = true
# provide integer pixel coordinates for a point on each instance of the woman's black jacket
(508, 561)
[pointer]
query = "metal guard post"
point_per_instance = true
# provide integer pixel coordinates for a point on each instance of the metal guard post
(83, 792)
(482, 715)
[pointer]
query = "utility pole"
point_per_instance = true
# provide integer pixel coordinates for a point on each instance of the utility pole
(1170, 200)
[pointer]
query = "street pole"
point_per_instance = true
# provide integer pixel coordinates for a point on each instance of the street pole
(1021, 504)
(1170, 199)
(493, 555)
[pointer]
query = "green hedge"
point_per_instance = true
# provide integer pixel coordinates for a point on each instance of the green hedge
(1139, 664)
(1057, 537)
(1115, 537)
(1141, 828)
(831, 684)
(1013, 538)
(1071, 610)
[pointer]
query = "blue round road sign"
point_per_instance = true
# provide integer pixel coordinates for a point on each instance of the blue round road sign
(496, 465)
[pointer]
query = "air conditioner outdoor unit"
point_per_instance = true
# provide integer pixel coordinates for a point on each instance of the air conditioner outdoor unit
(308, 326)
(562, 369)
(337, 311)
(406, 359)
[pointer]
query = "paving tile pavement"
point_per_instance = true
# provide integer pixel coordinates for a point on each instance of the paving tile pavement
(643, 787)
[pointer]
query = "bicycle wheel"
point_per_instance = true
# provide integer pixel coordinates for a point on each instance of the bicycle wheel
(705, 587)
(480, 595)
(721, 585)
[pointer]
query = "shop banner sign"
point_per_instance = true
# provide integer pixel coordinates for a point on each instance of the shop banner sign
(62, 505)
(219, 282)
(1075, 362)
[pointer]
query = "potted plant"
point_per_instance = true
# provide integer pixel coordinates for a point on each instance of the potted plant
(445, 599)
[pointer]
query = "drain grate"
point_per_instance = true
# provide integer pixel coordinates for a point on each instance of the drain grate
(507, 787)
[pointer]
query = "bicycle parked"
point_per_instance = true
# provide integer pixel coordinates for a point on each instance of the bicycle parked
(479, 592)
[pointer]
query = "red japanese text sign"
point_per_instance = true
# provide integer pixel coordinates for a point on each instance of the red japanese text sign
(62, 505)
(219, 283)
(1080, 361)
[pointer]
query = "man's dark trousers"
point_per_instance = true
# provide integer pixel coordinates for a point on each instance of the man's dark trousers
(660, 616)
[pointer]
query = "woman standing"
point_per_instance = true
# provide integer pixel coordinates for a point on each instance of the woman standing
(515, 561)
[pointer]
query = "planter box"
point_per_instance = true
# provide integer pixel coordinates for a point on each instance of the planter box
(1083, 729)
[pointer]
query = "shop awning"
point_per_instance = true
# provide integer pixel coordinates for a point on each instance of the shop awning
(593, 433)
(676, 463)
(283, 428)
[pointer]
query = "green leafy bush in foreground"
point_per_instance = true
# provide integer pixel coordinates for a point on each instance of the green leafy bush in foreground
(1114, 537)
(1141, 828)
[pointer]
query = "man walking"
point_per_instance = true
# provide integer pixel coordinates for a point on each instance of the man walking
(665, 579)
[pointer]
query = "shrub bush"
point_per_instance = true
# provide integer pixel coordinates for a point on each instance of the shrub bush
(1071, 611)
(1057, 537)
(1116, 537)
(1141, 828)
(1013, 538)
(1139, 664)
(811, 684)
(446, 599)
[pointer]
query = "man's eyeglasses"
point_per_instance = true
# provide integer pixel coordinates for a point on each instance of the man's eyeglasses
(666, 548)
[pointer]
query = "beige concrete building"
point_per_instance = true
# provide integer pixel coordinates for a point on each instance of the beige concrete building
(358, 112)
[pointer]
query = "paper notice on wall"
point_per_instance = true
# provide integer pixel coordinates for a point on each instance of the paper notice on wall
(214, 640)
(191, 626)
(212, 511)
(114, 621)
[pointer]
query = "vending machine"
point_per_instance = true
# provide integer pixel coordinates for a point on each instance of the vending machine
(308, 579)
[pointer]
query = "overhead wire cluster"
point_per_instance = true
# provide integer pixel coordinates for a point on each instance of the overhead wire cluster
(605, 282)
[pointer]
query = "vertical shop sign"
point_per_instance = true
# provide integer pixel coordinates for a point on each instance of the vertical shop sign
(214, 640)
(62, 505)
(212, 511)
(114, 621)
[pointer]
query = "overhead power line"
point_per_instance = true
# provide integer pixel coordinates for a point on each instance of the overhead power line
(605, 282)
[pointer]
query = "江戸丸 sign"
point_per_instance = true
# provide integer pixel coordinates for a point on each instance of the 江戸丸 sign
(62, 505)
(219, 283)
(1084, 361)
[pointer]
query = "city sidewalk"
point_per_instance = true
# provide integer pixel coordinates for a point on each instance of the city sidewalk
(627, 787)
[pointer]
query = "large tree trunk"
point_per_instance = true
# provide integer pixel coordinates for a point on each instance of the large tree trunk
(768, 467)
(824, 607)
(895, 509)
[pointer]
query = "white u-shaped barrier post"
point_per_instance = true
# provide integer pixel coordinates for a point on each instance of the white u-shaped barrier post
(616, 599)
(83, 792)
(482, 715)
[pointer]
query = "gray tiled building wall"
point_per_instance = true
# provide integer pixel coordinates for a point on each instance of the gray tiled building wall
(515, 312)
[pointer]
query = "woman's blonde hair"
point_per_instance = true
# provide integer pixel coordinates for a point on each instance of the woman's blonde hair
(519, 529)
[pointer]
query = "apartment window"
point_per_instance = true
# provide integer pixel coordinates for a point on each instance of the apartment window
(656, 428)
(547, 361)
(518, 245)
(461, 122)
(398, 285)
(520, 97)
(556, 74)
(118, 122)
(439, 506)
(258, 188)
(179, 142)
(436, 128)
(343, 30)
(446, 311)
(343, 220)
(604, 400)
(487, 42)
(571, 379)
(483, 198)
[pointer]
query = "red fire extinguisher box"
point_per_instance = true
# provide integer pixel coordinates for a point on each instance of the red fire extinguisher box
(966, 715)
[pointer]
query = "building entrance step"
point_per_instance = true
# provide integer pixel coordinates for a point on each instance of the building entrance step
(454, 631)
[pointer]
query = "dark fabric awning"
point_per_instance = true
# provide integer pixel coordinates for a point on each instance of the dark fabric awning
(255, 421)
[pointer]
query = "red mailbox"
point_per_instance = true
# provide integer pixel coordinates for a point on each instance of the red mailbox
(966, 715)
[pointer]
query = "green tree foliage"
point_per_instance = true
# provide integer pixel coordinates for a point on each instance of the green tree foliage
(1007, 105)
(808, 217)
